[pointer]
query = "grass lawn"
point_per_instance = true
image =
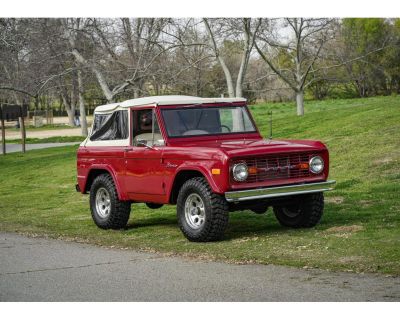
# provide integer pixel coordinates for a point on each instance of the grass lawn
(359, 231)
(48, 140)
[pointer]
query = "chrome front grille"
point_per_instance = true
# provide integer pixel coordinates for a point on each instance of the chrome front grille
(275, 167)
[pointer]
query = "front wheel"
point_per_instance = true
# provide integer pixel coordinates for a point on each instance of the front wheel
(108, 212)
(202, 214)
(305, 212)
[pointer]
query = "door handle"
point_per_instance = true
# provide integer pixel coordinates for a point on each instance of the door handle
(128, 149)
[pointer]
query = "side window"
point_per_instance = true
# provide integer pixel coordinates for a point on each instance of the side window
(143, 129)
(113, 126)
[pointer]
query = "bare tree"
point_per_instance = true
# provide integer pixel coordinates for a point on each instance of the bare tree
(73, 62)
(34, 61)
(302, 44)
(244, 30)
(123, 50)
(24, 75)
(187, 68)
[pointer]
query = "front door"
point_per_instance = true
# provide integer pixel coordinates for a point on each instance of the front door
(144, 177)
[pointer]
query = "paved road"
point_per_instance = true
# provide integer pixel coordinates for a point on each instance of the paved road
(13, 147)
(36, 269)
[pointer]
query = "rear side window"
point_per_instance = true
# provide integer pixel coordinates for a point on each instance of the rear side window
(113, 126)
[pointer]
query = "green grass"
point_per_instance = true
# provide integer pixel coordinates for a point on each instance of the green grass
(49, 140)
(359, 231)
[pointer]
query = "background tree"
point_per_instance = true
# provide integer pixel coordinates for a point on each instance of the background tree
(362, 53)
(72, 63)
(303, 45)
(243, 32)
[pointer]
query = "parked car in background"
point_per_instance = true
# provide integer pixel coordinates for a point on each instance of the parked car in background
(205, 155)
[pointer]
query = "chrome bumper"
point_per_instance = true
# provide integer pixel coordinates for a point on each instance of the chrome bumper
(274, 192)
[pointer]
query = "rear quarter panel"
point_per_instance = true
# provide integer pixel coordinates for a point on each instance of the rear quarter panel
(106, 158)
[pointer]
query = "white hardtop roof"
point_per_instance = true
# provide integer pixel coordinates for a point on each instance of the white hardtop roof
(162, 100)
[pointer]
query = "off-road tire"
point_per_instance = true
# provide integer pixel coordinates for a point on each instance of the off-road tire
(216, 211)
(119, 211)
(309, 210)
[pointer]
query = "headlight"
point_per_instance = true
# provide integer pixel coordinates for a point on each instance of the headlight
(240, 172)
(316, 164)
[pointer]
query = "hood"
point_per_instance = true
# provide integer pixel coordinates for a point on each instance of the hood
(243, 147)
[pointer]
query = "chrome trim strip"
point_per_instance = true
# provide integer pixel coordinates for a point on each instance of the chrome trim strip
(273, 192)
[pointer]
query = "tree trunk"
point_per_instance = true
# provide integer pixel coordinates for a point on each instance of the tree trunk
(227, 73)
(70, 108)
(242, 71)
(82, 110)
(228, 77)
(71, 114)
(241, 74)
(300, 102)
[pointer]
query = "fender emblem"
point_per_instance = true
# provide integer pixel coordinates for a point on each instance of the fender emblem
(170, 165)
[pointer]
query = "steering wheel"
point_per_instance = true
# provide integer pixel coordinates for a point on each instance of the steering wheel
(224, 126)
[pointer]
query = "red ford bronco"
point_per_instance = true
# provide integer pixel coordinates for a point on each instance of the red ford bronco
(203, 154)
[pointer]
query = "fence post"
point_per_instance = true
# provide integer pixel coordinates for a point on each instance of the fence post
(23, 134)
(3, 131)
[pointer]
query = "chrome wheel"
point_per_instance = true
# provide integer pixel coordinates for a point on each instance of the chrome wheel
(103, 203)
(194, 211)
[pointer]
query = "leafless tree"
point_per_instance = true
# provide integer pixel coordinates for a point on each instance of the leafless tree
(26, 60)
(302, 41)
(123, 50)
(243, 30)
(75, 62)
(186, 68)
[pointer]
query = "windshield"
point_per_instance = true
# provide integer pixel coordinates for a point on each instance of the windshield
(200, 121)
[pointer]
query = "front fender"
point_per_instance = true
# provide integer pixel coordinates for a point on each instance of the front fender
(217, 182)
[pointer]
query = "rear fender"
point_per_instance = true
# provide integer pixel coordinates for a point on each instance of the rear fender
(118, 185)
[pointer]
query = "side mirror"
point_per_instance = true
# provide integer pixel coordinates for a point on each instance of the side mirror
(143, 143)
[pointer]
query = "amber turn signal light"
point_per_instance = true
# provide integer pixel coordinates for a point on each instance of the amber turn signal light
(216, 171)
(252, 170)
(304, 165)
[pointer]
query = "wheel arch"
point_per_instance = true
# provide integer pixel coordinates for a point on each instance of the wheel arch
(95, 172)
(185, 173)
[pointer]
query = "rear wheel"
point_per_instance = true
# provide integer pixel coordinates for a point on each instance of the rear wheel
(202, 214)
(108, 212)
(305, 212)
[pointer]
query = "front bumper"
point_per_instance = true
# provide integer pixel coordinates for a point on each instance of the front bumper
(275, 192)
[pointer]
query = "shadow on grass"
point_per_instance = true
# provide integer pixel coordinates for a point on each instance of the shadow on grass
(151, 222)
(246, 224)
